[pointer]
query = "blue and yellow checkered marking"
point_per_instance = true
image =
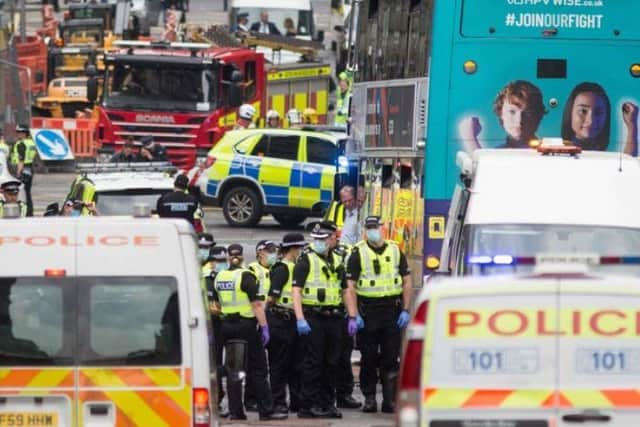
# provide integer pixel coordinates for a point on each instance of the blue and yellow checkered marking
(285, 183)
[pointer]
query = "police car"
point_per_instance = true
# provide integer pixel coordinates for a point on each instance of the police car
(119, 187)
(102, 323)
(524, 202)
(557, 347)
(291, 174)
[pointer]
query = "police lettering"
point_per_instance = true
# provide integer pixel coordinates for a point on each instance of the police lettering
(226, 286)
(83, 241)
(606, 322)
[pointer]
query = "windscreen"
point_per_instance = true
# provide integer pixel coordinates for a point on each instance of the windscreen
(122, 203)
(89, 321)
(82, 36)
(290, 22)
(160, 86)
(522, 240)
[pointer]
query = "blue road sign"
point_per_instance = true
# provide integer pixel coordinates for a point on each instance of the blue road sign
(51, 144)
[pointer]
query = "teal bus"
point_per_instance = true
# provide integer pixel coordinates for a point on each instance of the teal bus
(505, 72)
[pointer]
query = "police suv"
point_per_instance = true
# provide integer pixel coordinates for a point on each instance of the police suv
(554, 348)
(102, 323)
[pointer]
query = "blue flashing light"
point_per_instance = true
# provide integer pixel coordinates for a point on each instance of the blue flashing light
(503, 259)
(480, 259)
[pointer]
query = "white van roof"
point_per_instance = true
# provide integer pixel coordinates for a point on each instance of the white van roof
(273, 4)
(92, 246)
(513, 186)
(121, 181)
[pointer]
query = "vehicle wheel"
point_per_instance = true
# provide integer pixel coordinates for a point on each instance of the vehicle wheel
(289, 220)
(242, 207)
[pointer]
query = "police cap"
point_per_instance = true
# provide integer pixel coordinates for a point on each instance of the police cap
(269, 245)
(243, 15)
(323, 229)
(147, 140)
(292, 240)
(181, 182)
(12, 187)
(218, 253)
(22, 128)
(235, 250)
(206, 240)
(372, 221)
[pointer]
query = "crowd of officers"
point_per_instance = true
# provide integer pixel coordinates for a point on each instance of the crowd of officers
(305, 303)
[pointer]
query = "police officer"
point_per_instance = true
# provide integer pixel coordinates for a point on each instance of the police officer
(22, 157)
(342, 99)
(266, 256)
(10, 190)
(236, 295)
(152, 152)
(379, 288)
(317, 299)
(217, 262)
(284, 350)
(126, 155)
(178, 204)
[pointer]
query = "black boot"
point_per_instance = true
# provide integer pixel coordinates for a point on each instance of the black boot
(348, 402)
(389, 394)
(370, 404)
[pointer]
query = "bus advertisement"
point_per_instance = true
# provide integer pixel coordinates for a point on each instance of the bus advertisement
(505, 72)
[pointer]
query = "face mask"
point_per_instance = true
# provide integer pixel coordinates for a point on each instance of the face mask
(374, 235)
(204, 255)
(272, 258)
(221, 266)
(75, 213)
(320, 246)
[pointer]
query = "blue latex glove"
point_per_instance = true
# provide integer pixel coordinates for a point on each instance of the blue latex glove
(352, 326)
(265, 335)
(360, 322)
(403, 319)
(303, 327)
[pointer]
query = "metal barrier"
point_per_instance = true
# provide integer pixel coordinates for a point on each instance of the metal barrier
(79, 133)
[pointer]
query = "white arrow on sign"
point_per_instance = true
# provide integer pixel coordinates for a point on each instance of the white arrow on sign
(56, 149)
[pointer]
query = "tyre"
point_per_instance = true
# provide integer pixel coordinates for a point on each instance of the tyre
(242, 207)
(289, 220)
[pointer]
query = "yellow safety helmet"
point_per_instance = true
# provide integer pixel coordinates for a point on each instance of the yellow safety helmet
(310, 116)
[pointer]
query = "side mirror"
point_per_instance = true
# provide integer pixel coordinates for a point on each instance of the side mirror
(92, 89)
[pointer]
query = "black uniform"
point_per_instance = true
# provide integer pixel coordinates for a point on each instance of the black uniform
(236, 327)
(216, 326)
(285, 352)
(380, 330)
(322, 345)
(177, 204)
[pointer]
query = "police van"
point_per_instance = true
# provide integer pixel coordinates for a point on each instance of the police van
(553, 199)
(557, 347)
(102, 323)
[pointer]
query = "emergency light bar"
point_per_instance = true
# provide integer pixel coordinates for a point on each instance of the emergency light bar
(174, 45)
(586, 259)
(126, 167)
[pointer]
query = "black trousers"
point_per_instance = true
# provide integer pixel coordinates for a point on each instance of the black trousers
(217, 346)
(285, 360)
(344, 379)
(379, 343)
(321, 355)
(246, 329)
(27, 180)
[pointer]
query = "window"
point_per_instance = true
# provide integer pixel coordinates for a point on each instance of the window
(131, 321)
(321, 151)
(34, 322)
(284, 146)
(249, 80)
(262, 147)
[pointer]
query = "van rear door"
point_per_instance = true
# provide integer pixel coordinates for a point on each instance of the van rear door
(489, 356)
(599, 359)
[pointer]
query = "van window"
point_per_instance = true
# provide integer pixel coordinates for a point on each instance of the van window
(130, 321)
(321, 151)
(35, 322)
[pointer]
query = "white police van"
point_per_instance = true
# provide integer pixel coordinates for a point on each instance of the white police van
(525, 202)
(557, 347)
(102, 323)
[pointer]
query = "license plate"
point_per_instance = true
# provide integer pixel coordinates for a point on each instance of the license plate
(489, 423)
(28, 419)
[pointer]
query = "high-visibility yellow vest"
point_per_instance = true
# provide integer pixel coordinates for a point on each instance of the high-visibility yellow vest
(232, 299)
(29, 153)
(23, 208)
(286, 296)
(387, 282)
(342, 108)
(322, 279)
(262, 274)
(335, 213)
